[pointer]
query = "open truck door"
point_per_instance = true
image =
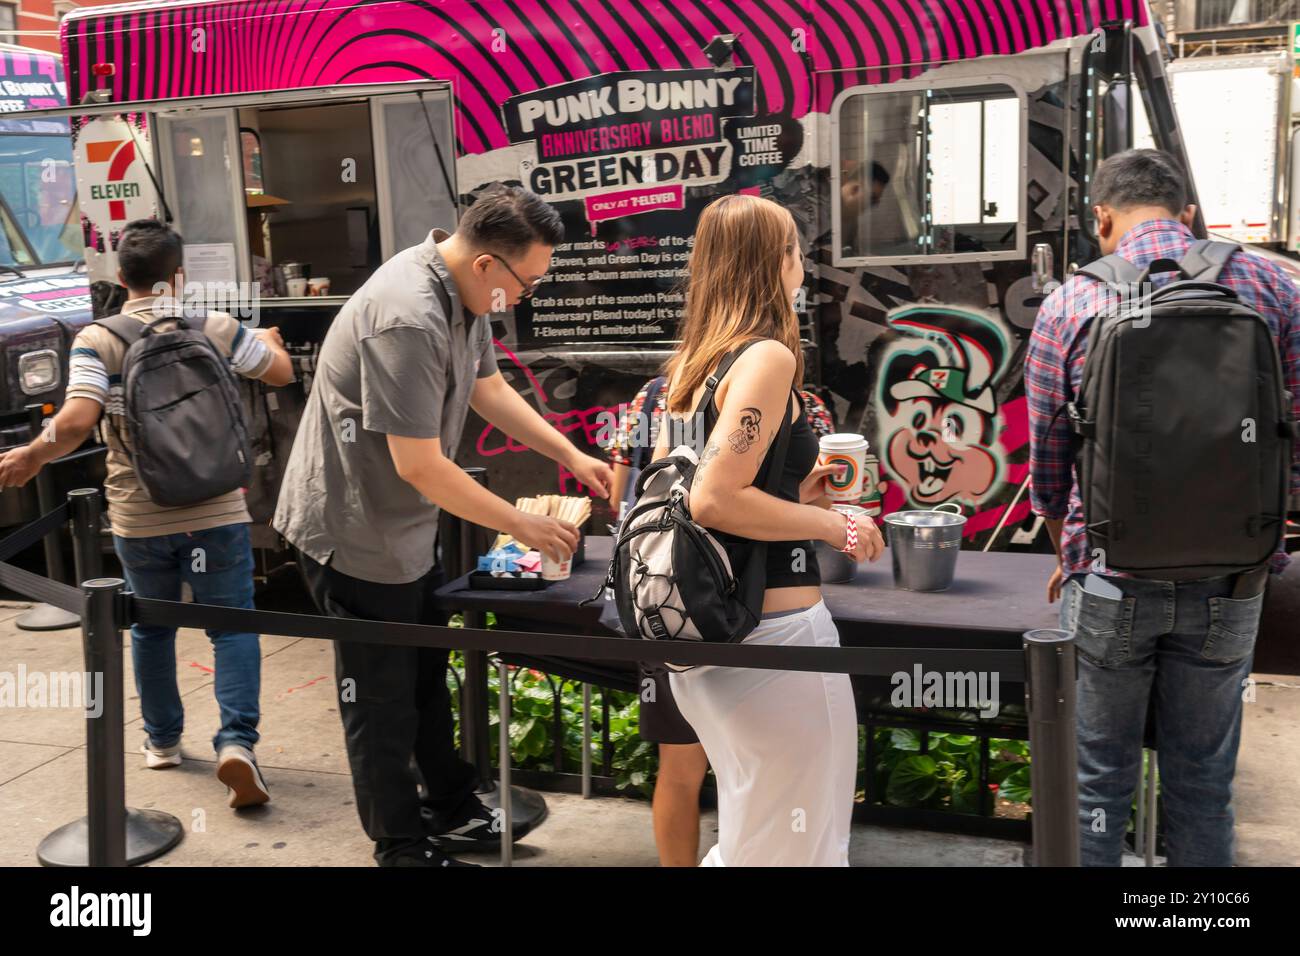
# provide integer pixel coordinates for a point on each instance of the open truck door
(1128, 104)
(248, 182)
(211, 165)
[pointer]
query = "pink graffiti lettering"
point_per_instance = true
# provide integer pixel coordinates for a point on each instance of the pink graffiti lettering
(582, 489)
(587, 419)
(632, 242)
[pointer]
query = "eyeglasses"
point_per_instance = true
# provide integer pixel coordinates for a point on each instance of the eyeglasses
(528, 287)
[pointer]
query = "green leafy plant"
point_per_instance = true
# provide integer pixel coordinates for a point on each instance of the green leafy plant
(633, 761)
(946, 776)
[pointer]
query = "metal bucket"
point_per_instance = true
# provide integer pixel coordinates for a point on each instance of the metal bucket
(924, 546)
(836, 566)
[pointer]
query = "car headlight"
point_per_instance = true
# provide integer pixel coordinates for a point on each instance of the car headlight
(39, 371)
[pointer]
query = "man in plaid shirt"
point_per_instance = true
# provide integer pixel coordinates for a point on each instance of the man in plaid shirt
(1188, 643)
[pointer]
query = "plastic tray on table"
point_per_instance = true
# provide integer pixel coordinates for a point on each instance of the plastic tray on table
(484, 581)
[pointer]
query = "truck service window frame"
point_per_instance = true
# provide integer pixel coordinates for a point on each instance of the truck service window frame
(210, 207)
(928, 120)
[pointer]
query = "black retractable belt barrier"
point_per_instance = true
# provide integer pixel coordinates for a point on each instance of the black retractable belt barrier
(48, 615)
(881, 661)
(113, 835)
(27, 583)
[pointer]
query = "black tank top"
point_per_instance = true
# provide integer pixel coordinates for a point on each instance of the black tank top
(789, 563)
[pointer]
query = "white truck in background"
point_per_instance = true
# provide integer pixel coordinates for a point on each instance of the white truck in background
(1237, 122)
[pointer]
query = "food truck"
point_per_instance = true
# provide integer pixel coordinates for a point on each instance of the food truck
(936, 157)
(44, 291)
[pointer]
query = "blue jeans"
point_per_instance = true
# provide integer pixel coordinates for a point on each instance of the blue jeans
(1190, 645)
(218, 564)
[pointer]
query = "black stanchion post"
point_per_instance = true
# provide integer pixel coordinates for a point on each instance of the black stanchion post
(105, 760)
(474, 731)
(110, 834)
(46, 617)
(1050, 696)
(86, 506)
(503, 748)
(526, 807)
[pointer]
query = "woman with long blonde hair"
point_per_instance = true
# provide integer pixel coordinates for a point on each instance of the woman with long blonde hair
(783, 744)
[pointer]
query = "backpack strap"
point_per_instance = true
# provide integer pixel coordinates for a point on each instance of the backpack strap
(1114, 270)
(1206, 258)
(125, 327)
(724, 366)
(131, 330)
(782, 441)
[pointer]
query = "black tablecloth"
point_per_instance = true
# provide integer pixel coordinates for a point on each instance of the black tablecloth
(994, 599)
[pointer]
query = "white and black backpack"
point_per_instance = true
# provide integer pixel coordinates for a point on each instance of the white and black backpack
(672, 578)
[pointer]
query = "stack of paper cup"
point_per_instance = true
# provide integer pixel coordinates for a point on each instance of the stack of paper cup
(849, 450)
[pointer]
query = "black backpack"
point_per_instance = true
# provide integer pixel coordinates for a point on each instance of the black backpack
(672, 578)
(185, 427)
(1182, 424)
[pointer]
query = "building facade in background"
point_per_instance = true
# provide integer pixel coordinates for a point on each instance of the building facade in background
(24, 21)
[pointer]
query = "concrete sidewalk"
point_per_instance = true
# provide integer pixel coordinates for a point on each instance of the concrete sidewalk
(311, 820)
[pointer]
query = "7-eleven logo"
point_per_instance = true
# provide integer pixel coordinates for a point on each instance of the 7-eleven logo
(119, 154)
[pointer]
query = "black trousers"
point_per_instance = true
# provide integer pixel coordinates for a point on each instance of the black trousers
(394, 703)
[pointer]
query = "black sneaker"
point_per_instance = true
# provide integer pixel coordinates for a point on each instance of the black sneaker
(423, 852)
(476, 829)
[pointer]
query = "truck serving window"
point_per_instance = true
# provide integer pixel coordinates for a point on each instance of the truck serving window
(921, 172)
(289, 198)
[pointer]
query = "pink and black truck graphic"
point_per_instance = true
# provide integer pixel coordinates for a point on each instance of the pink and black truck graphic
(936, 154)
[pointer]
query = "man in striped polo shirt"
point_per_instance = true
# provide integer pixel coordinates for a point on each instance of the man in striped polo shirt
(206, 544)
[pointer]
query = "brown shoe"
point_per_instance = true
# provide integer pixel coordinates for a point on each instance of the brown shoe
(237, 769)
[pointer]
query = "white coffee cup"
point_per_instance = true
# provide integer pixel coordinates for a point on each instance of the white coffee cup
(296, 287)
(556, 570)
(849, 450)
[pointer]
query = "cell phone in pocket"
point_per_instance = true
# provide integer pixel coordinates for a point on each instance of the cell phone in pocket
(1097, 584)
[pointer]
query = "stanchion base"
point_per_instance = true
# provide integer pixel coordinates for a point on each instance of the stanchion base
(149, 834)
(526, 806)
(47, 617)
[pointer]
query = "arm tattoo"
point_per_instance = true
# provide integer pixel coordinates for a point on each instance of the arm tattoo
(710, 452)
(746, 436)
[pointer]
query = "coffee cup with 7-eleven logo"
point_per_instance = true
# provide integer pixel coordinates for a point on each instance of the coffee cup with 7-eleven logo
(850, 451)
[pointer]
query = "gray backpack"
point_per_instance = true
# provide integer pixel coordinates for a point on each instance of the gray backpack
(185, 429)
(1183, 424)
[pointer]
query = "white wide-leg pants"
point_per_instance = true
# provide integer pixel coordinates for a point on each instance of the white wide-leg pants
(783, 747)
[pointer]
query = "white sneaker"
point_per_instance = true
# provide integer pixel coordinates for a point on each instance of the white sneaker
(237, 769)
(158, 758)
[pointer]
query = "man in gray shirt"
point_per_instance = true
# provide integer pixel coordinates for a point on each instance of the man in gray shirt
(405, 359)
